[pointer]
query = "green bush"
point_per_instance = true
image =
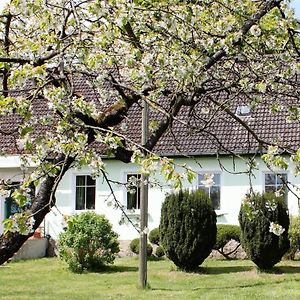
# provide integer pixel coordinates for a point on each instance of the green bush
(135, 247)
(154, 236)
(88, 242)
(159, 252)
(294, 236)
(187, 228)
(225, 233)
(261, 218)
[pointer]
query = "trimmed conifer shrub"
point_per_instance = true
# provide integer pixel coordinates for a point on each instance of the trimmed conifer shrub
(187, 228)
(264, 224)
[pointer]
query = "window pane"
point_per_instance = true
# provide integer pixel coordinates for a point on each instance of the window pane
(90, 180)
(80, 180)
(213, 191)
(200, 178)
(204, 189)
(216, 179)
(270, 179)
(215, 196)
(281, 179)
(131, 200)
(90, 198)
(80, 198)
(270, 189)
(133, 197)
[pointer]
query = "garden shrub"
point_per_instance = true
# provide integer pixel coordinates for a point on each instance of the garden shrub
(294, 236)
(187, 228)
(225, 233)
(154, 236)
(159, 252)
(264, 224)
(135, 247)
(88, 242)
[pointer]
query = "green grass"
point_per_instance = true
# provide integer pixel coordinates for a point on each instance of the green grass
(50, 279)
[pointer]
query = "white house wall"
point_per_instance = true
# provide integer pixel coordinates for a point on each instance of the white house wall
(233, 189)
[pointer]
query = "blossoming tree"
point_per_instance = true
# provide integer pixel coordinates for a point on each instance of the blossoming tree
(171, 54)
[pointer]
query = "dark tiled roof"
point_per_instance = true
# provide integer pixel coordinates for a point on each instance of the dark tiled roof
(190, 134)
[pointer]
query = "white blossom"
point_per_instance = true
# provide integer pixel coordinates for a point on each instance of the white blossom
(21, 143)
(208, 180)
(276, 229)
(205, 110)
(255, 30)
(124, 127)
(271, 205)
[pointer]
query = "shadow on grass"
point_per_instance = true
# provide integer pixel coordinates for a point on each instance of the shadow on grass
(155, 258)
(218, 270)
(224, 270)
(237, 269)
(283, 270)
(113, 269)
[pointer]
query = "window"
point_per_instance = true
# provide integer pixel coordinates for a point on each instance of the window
(213, 191)
(276, 182)
(11, 206)
(133, 191)
(243, 111)
(85, 192)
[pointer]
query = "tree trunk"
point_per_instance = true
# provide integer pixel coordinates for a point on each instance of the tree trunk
(43, 202)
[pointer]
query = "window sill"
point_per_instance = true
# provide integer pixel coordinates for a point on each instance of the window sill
(133, 212)
(220, 213)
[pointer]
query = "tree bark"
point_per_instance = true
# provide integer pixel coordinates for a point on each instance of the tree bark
(43, 202)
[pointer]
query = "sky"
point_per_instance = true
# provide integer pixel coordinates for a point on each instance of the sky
(294, 3)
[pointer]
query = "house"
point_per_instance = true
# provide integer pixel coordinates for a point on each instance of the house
(220, 146)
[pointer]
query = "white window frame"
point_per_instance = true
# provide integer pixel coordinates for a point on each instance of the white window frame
(275, 173)
(74, 191)
(220, 185)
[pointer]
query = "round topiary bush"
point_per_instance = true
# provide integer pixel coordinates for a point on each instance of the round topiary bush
(88, 242)
(187, 228)
(135, 247)
(264, 224)
(225, 233)
(159, 252)
(154, 236)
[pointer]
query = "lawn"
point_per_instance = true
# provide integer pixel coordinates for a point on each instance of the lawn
(49, 278)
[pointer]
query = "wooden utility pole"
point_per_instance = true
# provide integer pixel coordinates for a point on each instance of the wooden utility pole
(144, 206)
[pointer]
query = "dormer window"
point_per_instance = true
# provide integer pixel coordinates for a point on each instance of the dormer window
(243, 111)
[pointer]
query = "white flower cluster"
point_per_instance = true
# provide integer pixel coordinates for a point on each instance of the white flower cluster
(208, 180)
(276, 229)
(271, 205)
(23, 226)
